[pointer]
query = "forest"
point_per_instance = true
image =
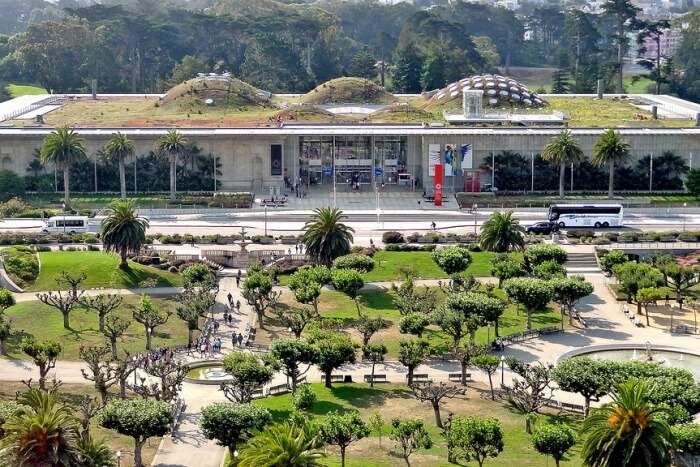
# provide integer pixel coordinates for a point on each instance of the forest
(280, 46)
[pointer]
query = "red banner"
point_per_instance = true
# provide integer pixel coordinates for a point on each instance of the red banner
(438, 184)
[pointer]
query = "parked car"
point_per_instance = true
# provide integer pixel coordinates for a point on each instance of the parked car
(545, 227)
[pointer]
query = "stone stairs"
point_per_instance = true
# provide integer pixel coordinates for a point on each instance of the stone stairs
(581, 263)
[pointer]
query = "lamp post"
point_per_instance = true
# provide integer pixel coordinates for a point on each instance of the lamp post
(685, 205)
(63, 205)
(474, 209)
(119, 458)
(134, 359)
(503, 364)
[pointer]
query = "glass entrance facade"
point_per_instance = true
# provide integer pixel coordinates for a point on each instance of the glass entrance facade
(354, 161)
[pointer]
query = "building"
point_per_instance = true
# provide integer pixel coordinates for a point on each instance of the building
(340, 146)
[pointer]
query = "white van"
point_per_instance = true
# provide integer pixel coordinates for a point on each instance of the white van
(68, 224)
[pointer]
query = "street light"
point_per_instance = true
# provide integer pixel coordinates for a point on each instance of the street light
(503, 364)
(685, 205)
(63, 205)
(474, 209)
(260, 201)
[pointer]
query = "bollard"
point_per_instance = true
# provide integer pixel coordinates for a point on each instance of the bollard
(654, 112)
(600, 89)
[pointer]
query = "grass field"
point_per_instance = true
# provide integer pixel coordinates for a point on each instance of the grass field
(72, 394)
(44, 322)
(102, 270)
(17, 90)
(379, 302)
(390, 400)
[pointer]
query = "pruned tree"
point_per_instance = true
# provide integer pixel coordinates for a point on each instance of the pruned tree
(295, 319)
(410, 299)
(414, 323)
(569, 290)
(488, 364)
(374, 353)
(472, 438)
(259, 293)
(89, 408)
(63, 301)
(72, 282)
(529, 390)
(43, 354)
(466, 353)
(334, 350)
(409, 436)
(291, 353)
(103, 304)
(115, 327)
(586, 376)
(306, 284)
(434, 393)
(349, 282)
(230, 424)
(247, 374)
(367, 327)
(170, 375)
(411, 354)
(147, 314)
(99, 370)
(193, 305)
(343, 429)
(123, 368)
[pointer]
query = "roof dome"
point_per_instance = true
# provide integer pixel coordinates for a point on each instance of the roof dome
(499, 90)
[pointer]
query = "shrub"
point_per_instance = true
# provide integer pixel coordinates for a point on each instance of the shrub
(452, 259)
(548, 270)
(474, 247)
(304, 398)
(612, 259)
(358, 262)
(688, 438)
(11, 184)
(392, 237)
(21, 264)
(537, 254)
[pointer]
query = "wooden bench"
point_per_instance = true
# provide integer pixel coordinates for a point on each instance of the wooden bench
(339, 379)
(421, 378)
(377, 378)
(258, 394)
(576, 408)
(457, 377)
(279, 389)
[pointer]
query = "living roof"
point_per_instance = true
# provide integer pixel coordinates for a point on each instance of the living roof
(139, 111)
(348, 91)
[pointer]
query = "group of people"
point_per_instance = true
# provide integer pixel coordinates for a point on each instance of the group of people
(237, 339)
(154, 356)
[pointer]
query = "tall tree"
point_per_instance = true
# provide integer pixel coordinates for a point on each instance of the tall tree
(343, 429)
(411, 354)
(147, 314)
(123, 230)
(652, 31)
(610, 149)
(291, 353)
(62, 147)
(326, 237)
(623, 14)
(406, 75)
(334, 350)
(173, 145)
(362, 64)
(118, 149)
(563, 150)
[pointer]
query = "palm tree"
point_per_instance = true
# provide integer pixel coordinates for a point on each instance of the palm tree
(173, 144)
(562, 150)
(61, 147)
(283, 445)
(41, 433)
(123, 231)
(610, 149)
(326, 237)
(628, 431)
(118, 149)
(502, 232)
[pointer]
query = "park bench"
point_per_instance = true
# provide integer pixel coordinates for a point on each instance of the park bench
(683, 329)
(457, 377)
(258, 394)
(575, 408)
(279, 389)
(339, 379)
(377, 378)
(421, 378)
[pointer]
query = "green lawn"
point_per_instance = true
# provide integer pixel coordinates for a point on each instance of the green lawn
(391, 400)
(44, 322)
(637, 86)
(101, 268)
(16, 90)
(380, 303)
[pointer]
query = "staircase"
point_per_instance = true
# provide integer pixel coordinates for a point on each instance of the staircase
(581, 263)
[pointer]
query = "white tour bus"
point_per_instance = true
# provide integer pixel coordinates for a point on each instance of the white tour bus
(586, 215)
(68, 224)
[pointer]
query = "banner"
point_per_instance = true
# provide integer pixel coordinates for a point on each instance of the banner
(275, 159)
(433, 158)
(466, 157)
(449, 159)
(438, 185)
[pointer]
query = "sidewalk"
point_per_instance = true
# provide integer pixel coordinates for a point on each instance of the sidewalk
(164, 291)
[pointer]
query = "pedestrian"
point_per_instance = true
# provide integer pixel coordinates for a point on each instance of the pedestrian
(238, 305)
(230, 298)
(238, 274)
(296, 249)
(238, 282)
(234, 338)
(433, 225)
(230, 319)
(289, 251)
(371, 243)
(240, 340)
(216, 326)
(667, 299)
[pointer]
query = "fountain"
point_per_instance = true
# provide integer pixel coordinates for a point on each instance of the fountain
(207, 372)
(660, 355)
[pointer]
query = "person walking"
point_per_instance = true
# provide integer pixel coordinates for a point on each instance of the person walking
(230, 299)
(238, 282)
(240, 340)
(234, 338)
(230, 319)
(238, 305)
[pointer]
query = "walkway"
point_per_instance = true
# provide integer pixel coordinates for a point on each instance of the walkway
(164, 291)
(187, 446)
